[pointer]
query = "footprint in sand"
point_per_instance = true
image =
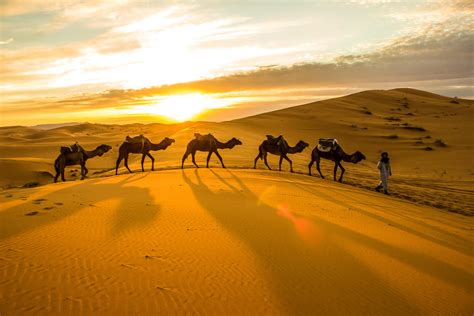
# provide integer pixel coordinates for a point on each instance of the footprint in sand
(48, 208)
(32, 213)
(153, 257)
(59, 203)
(38, 201)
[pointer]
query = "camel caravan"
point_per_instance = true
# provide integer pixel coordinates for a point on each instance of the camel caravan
(327, 148)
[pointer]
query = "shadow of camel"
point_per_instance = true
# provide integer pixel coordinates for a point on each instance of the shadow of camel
(298, 254)
(136, 206)
(448, 240)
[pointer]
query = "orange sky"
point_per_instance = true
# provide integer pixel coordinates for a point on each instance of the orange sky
(126, 61)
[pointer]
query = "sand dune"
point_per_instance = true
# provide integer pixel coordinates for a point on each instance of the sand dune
(240, 242)
(405, 122)
(244, 241)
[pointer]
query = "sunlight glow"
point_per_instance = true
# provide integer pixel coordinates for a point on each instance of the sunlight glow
(184, 107)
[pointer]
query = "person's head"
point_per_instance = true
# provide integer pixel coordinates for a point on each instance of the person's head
(384, 154)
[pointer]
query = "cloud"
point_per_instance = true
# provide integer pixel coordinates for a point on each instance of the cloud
(171, 45)
(8, 41)
(175, 51)
(437, 58)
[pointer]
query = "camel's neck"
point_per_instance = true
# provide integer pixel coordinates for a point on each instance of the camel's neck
(295, 149)
(346, 157)
(220, 145)
(92, 153)
(157, 146)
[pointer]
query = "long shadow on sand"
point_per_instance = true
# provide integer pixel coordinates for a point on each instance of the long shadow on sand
(306, 266)
(449, 240)
(135, 208)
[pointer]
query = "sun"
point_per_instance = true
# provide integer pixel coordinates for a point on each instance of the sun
(185, 106)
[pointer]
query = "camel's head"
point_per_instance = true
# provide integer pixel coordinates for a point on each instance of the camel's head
(168, 141)
(234, 142)
(103, 149)
(357, 156)
(302, 144)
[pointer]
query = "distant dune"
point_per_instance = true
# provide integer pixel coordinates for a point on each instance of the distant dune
(51, 126)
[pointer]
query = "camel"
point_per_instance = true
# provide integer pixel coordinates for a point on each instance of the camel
(210, 144)
(278, 147)
(140, 145)
(335, 154)
(77, 158)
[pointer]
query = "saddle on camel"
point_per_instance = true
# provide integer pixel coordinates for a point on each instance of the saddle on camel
(140, 139)
(64, 150)
(272, 140)
(327, 144)
(204, 137)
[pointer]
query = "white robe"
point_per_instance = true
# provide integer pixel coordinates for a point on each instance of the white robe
(385, 172)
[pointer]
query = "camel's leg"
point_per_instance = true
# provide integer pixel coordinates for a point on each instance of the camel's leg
(152, 161)
(289, 160)
(255, 161)
(335, 169)
(318, 162)
(62, 174)
(265, 160)
(310, 165)
(259, 156)
(186, 154)
(279, 163)
(126, 163)
(86, 171)
(143, 160)
(208, 158)
(342, 171)
(58, 172)
(82, 172)
(220, 158)
(193, 156)
(117, 164)
(56, 168)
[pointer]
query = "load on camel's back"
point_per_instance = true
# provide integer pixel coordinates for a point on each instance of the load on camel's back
(74, 148)
(327, 144)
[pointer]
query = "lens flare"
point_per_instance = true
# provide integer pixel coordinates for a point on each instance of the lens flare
(305, 228)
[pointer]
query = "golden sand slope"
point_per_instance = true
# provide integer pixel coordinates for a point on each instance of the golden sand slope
(222, 241)
(402, 121)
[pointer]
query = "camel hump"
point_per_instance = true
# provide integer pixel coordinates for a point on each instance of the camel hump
(272, 140)
(327, 144)
(204, 137)
(136, 139)
(74, 148)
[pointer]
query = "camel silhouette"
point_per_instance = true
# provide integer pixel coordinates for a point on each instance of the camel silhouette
(210, 144)
(280, 148)
(140, 145)
(77, 158)
(337, 155)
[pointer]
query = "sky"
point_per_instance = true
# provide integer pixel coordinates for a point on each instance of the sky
(166, 61)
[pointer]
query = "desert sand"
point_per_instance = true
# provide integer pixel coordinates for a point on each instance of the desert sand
(244, 241)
